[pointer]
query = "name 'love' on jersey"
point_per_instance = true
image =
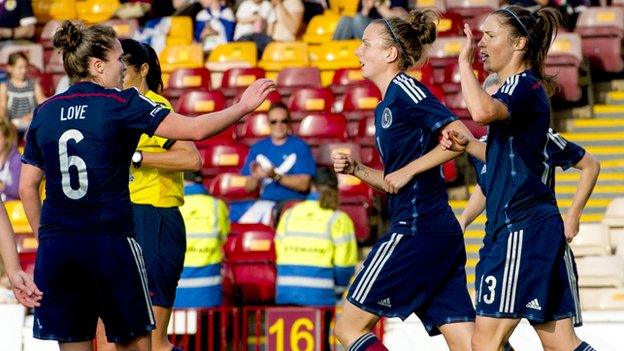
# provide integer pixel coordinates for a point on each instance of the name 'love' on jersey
(407, 122)
(518, 170)
(83, 140)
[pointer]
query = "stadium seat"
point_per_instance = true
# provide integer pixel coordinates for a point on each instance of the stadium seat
(27, 246)
(229, 187)
(321, 28)
(563, 61)
(345, 77)
(343, 7)
(601, 30)
(45, 10)
(592, 239)
(54, 64)
(444, 51)
(182, 80)
(34, 52)
(250, 254)
(326, 150)
(449, 171)
(280, 55)
(366, 131)
(602, 299)
(451, 24)
(125, 28)
(354, 191)
(223, 158)
(424, 74)
(452, 80)
(360, 217)
(440, 5)
(197, 102)
(255, 126)
(181, 56)
(235, 80)
(180, 31)
(226, 137)
(606, 271)
(47, 83)
(293, 78)
(306, 100)
(240, 54)
(96, 11)
(320, 128)
(470, 10)
(359, 102)
(17, 216)
(272, 98)
(614, 219)
(333, 55)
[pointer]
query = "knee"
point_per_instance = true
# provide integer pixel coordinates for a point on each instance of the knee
(481, 342)
(341, 329)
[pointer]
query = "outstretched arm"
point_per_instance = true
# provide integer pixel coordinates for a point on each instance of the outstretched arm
(345, 164)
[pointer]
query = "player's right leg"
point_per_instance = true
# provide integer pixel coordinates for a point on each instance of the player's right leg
(76, 346)
(354, 328)
(142, 343)
(491, 334)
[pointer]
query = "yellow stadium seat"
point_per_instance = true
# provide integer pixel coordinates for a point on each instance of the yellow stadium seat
(96, 11)
(279, 55)
(181, 56)
(63, 9)
(17, 216)
(125, 28)
(343, 7)
(321, 28)
(242, 54)
(180, 31)
(333, 55)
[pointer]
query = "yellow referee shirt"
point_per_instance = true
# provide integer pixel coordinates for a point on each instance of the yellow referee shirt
(152, 186)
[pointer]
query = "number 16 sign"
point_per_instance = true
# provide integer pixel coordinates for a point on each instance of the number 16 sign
(293, 329)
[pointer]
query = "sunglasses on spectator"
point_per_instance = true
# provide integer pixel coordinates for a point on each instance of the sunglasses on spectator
(282, 121)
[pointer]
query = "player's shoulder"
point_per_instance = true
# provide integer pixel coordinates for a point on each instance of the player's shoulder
(407, 89)
(520, 82)
(159, 99)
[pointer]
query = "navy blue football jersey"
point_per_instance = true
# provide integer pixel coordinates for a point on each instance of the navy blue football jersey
(559, 153)
(518, 170)
(83, 140)
(407, 124)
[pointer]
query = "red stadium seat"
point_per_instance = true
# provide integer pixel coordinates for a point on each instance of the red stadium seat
(354, 191)
(601, 30)
(229, 187)
(182, 80)
(47, 34)
(325, 151)
(198, 102)
(235, 80)
(255, 126)
(366, 131)
(322, 128)
(444, 51)
(124, 28)
(423, 74)
(440, 5)
(272, 98)
(345, 77)
(451, 24)
(452, 80)
(470, 10)
(250, 255)
(449, 170)
(359, 102)
(226, 137)
(564, 61)
(292, 78)
(223, 158)
(359, 215)
(27, 251)
(306, 100)
(46, 80)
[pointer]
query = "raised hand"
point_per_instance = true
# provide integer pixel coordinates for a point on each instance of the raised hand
(467, 52)
(24, 289)
(256, 93)
(343, 163)
(454, 141)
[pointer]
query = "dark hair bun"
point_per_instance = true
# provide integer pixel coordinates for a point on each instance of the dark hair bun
(69, 36)
(424, 22)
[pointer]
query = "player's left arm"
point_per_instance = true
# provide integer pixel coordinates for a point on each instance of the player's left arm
(30, 181)
(438, 155)
(590, 168)
(182, 156)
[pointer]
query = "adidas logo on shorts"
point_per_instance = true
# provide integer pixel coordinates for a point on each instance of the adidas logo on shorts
(534, 304)
(385, 302)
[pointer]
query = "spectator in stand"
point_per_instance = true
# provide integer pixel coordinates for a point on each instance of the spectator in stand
(19, 95)
(287, 20)
(214, 24)
(207, 226)
(10, 162)
(315, 247)
(252, 20)
(313, 8)
(280, 166)
(16, 20)
(368, 10)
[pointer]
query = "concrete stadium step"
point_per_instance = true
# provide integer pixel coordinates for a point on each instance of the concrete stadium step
(595, 125)
(605, 175)
(609, 111)
(615, 98)
(585, 139)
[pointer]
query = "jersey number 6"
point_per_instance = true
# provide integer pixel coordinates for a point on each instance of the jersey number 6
(67, 161)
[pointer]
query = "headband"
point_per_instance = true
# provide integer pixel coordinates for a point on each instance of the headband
(518, 19)
(394, 35)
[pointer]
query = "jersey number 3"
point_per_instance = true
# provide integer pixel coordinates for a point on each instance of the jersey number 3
(67, 161)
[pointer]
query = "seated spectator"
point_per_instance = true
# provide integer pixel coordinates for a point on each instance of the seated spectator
(10, 162)
(19, 95)
(368, 10)
(313, 8)
(288, 17)
(315, 247)
(214, 24)
(280, 166)
(207, 226)
(252, 18)
(17, 20)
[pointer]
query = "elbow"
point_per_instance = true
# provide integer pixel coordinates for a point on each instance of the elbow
(482, 117)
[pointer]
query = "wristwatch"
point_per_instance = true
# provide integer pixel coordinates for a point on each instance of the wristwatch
(137, 158)
(277, 177)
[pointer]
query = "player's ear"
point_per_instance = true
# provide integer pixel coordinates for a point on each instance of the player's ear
(391, 54)
(96, 66)
(144, 70)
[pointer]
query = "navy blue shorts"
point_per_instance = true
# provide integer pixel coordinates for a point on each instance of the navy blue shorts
(423, 274)
(84, 277)
(162, 236)
(527, 271)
